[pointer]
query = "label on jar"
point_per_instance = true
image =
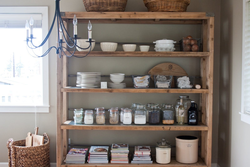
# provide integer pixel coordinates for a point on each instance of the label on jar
(88, 119)
(140, 119)
(127, 118)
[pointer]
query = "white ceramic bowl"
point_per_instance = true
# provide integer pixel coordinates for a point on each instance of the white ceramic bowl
(166, 45)
(129, 47)
(164, 49)
(144, 48)
(108, 46)
(164, 41)
(117, 77)
(84, 44)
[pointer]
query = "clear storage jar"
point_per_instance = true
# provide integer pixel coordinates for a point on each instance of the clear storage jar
(114, 115)
(78, 116)
(127, 116)
(133, 108)
(154, 115)
(89, 117)
(148, 108)
(121, 115)
(140, 115)
(168, 114)
(100, 115)
(186, 105)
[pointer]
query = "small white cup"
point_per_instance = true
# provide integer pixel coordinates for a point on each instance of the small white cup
(144, 48)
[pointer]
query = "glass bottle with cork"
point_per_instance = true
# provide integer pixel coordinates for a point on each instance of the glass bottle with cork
(181, 113)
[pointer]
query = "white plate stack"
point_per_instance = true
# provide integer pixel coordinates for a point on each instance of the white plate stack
(88, 79)
(164, 45)
(116, 79)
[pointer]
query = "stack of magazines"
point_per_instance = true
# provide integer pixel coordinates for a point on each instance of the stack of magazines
(119, 153)
(76, 155)
(98, 154)
(142, 155)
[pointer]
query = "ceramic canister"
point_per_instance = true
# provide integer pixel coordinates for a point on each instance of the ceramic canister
(163, 152)
(187, 149)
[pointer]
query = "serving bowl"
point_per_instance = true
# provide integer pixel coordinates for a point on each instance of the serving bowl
(108, 46)
(83, 43)
(117, 77)
(129, 47)
(144, 48)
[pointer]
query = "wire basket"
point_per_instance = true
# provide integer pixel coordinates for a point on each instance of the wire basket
(105, 5)
(33, 156)
(166, 5)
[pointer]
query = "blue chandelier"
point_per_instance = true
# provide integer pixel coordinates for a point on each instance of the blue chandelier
(62, 35)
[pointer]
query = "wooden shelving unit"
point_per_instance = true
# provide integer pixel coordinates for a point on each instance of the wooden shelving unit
(206, 65)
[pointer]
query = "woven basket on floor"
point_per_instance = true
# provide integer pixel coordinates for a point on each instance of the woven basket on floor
(166, 5)
(105, 5)
(34, 156)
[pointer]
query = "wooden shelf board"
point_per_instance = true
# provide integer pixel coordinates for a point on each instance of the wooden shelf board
(133, 90)
(136, 15)
(142, 54)
(173, 163)
(70, 125)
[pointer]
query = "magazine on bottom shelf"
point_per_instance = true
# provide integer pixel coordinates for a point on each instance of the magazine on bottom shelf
(76, 155)
(99, 150)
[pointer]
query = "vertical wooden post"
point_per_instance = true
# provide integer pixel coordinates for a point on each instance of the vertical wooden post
(210, 75)
(65, 98)
(59, 113)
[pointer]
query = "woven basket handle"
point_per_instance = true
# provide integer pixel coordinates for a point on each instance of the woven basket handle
(12, 158)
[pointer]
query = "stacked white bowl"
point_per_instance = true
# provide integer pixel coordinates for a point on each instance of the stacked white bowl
(164, 45)
(88, 79)
(116, 79)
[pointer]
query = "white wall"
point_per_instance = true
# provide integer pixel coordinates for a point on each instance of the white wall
(234, 136)
(17, 125)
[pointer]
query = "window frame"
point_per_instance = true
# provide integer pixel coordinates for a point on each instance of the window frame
(245, 117)
(45, 61)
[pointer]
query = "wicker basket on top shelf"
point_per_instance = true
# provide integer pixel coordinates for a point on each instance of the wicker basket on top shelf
(105, 5)
(166, 5)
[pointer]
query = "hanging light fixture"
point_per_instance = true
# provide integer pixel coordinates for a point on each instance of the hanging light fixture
(62, 34)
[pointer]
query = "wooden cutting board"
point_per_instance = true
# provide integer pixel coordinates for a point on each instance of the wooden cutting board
(167, 69)
(37, 139)
(28, 141)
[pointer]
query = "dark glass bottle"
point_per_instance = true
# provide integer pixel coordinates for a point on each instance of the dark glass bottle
(193, 114)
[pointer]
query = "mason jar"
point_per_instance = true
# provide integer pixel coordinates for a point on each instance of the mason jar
(168, 114)
(114, 115)
(140, 115)
(100, 115)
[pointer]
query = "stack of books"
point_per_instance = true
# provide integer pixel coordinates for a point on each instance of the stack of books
(119, 153)
(98, 154)
(142, 155)
(76, 155)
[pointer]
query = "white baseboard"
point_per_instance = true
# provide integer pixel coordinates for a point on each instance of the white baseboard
(5, 164)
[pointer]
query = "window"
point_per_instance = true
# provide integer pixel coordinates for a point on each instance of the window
(245, 111)
(23, 78)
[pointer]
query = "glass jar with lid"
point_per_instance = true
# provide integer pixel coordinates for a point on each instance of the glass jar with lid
(154, 115)
(148, 108)
(121, 115)
(133, 108)
(89, 117)
(140, 115)
(114, 115)
(100, 115)
(163, 152)
(168, 114)
(186, 105)
(127, 116)
(78, 116)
